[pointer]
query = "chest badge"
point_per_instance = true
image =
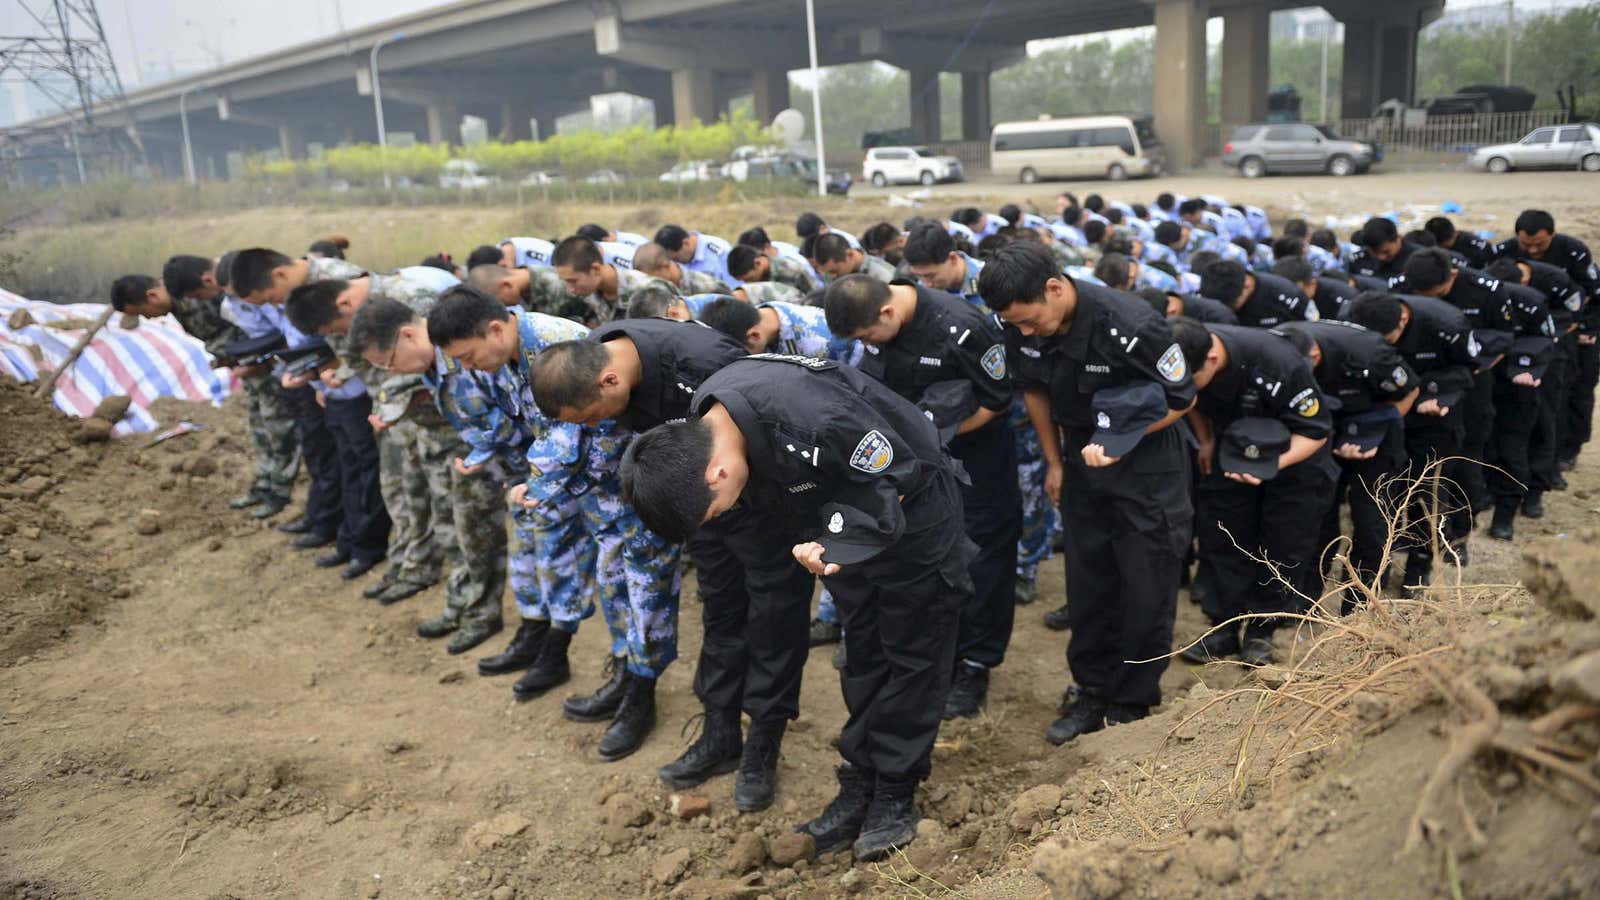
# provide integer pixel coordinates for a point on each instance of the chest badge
(873, 454)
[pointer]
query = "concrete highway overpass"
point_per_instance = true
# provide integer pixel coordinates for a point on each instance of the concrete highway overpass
(510, 61)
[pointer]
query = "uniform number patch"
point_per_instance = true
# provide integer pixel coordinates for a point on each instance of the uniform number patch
(873, 454)
(1171, 365)
(994, 362)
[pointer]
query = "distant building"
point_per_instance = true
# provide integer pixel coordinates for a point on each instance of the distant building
(1304, 26)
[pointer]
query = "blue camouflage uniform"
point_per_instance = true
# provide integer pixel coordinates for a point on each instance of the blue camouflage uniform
(1320, 259)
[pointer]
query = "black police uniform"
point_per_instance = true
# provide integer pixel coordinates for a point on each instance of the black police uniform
(1477, 251)
(1333, 295)
(1266, 377)
(1360, 372)
(1440, 346)
(1364, 263)
(1516, 406)
(1370, 283)
(837, 457)
(1571, 255)
(1205, 309)
(1128, 525)
(1565, 302)
(324, 511)
(950, 339)
(1274, 301)
(755, 596)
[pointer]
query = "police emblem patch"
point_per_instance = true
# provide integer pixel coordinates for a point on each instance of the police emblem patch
(1101, 420)
(1306, 403)
(1252, 452)
(1171, 365)
(873, 454)
(1524, 361)
(1398, 376)
(994, 361)
(836, 524)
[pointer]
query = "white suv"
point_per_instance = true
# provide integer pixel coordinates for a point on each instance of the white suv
(891, 165)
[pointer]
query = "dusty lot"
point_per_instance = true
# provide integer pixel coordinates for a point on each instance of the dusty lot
(199, 712)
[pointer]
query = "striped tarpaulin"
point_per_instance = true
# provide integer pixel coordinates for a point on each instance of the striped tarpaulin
(157, 359)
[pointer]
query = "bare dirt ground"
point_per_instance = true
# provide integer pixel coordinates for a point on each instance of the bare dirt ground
(199, 712)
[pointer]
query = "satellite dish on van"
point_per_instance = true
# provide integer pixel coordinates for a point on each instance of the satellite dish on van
(788, 127)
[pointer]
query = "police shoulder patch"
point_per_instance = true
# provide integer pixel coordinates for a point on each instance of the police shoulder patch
(1306, 403)
(873, 454)
(810, 362)
(994, 361)
(1172, 365)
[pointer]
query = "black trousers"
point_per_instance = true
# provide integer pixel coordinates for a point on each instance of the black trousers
(1430, 438)
(993, 508)
(1516, 415)
(1279, 520)
(901, 612)
(1478, 426)
(1366, 484)
(1127, 529)
(1585, 373)
(1543, 444)
(756, 603)
(364, 533)
(324, 496)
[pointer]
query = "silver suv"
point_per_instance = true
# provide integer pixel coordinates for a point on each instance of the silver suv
(1256, 150)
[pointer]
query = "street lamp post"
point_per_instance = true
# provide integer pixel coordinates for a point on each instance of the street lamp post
(377, 103)
(816, 99)
(188, 147)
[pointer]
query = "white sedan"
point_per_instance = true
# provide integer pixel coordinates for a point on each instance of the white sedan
(1550, 147)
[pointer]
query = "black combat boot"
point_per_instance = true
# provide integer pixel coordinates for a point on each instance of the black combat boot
(1504, 525)
(522, 652)
(270, 505)
(1533, 505)
(1057, 619)
(823, 632)
(717, 751)
(1419, 572)
(969, 689)
(635, 719)
(757, 783)
(601, 705)
(1215, 646)
(840, 824)
(891, 821)
(1086, 714)
(1257, 650)
(548, 670)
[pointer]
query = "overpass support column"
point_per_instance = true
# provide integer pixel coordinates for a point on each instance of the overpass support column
(975, 109)
(514, 117)
(694, 96)
(291, 141)
(1245, 61)
(769, 93)
(1380, 53)
(444, 122)
(925, 105)
(1180, 112)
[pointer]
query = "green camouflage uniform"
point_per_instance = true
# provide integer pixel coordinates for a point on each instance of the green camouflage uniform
(548, 294)
(795, 273)
(691, 282)
(1066, 255)
(878, 268)
(759, 292)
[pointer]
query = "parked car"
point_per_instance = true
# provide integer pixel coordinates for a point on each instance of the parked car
(691, 170)
(539, 179)
(1262, 149)
(604, 176)
(464, 174)
(904, 165)
(1112, 147)
(1550, 147)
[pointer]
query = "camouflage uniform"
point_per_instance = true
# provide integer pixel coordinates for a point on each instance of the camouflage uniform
(803, 331)
(693, 282)
(795, 273)
(877, 268)
(574, 474)
(1041, 521)
(548, 294)
(1065, 254)
(759, 292)
(599, 310)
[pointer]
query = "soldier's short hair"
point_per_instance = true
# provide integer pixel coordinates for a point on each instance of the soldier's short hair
(1193, 338)
(1094, 202)
(129, 290)
(808, 224)
(671, 237)
(1114, 270)
(1156, 297)
(993, 242)
(593, 232)
(462, 312)
(487, 276)
(312, 306)
(664, 478)
(1294, 268)
(1506, 269)
(1165, 201)
(648, 258)
(1223, 280)
(576, 252)
(1425, 269)
(1246, 243)
(1140, 210)
(1288, 246)
(1422, 238)
(852, 303)
(483, 255)
(731, 316)
(970, 216)
(224, 270)
(377, 324)
(755, 237)
(879, 236)
(1113, 215)
(1378, 230)
(184, 274)
(1168, 232)
(1191, 206)
(1017, 273)
(1117, 242)
(830, 248)
(1011, 213)
(927, 246)
(1094, 231)
(252, 269)
(1324, 238)
(1296, 228)
(1533, 221)
(652, 300)
(1378, 311)
(566, 375)
(741, 260)
(1199, 261)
